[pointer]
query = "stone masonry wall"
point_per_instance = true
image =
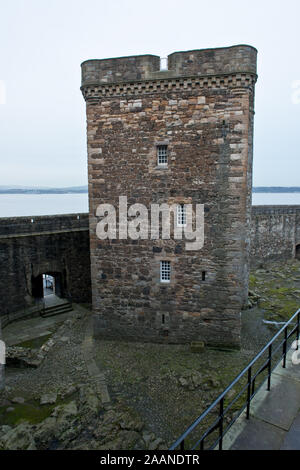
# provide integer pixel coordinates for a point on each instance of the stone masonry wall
(275, 233)
(202, 109)
(30, 246)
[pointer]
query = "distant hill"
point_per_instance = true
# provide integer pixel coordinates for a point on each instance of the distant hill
(37, 190)
(276, 189)
(84, 189)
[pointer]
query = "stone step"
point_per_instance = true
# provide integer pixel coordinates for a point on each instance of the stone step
(56, 310)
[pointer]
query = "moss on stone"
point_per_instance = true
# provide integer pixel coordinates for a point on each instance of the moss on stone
(278, 289)
(35, 343)
(30, 413)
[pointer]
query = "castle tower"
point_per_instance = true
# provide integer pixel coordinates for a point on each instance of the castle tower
(178, 136)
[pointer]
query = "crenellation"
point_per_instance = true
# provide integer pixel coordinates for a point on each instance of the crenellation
(120, 69)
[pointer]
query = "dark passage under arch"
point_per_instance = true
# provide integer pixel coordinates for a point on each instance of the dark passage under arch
(38, 285)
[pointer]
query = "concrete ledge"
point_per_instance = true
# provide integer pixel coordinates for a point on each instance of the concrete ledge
(274, 422)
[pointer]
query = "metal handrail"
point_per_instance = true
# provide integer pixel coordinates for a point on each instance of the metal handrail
(250, 387)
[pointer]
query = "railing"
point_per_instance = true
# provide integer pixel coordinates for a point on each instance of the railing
(275, 353)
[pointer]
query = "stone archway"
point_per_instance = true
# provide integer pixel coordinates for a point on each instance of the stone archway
(37, 287)
(53, 269)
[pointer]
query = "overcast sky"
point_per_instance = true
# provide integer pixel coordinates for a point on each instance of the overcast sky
(43, 42)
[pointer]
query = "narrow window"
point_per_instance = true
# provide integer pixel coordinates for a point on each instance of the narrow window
(162, 155)
(203, 275)
(165, 271)
(181, 215)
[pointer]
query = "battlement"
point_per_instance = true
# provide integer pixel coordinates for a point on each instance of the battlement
(202, 62)
(275, 210)
(12, 227)
(224, 60)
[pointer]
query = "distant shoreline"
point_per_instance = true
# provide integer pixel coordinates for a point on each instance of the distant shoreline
(276, 189)
(45, 191)
(84, 190)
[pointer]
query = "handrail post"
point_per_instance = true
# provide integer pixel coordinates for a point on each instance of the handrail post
(249, 392)
(269, 367)
(298, 328)
(284, 348)
(221, 417)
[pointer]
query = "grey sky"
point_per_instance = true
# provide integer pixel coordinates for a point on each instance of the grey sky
(43, 42)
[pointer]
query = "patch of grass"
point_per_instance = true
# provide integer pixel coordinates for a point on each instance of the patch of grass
(278, 290)
(30, 413)
(35, 343)
(252, 281)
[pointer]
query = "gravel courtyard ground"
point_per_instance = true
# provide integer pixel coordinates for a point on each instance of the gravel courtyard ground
(160, 388)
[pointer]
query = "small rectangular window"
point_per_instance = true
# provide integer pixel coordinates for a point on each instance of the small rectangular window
(165, 271)
(162, 155)
(181, 215)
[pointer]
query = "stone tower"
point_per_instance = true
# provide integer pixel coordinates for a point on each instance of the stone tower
(177, 136)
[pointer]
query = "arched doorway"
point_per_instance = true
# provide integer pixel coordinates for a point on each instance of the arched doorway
(48, 283)
(297, 253)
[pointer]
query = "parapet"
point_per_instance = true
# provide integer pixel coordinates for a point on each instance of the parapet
(11, 227)
(203, 62)
(275, 210)
(224, 60)
(119, 69)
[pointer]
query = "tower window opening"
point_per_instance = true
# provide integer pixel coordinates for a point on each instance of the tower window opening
(162, 155)
(165, 271)
(181, 215)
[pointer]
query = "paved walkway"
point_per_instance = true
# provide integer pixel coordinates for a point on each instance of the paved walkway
(31, 328)
(274, 422)
(93, 368)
